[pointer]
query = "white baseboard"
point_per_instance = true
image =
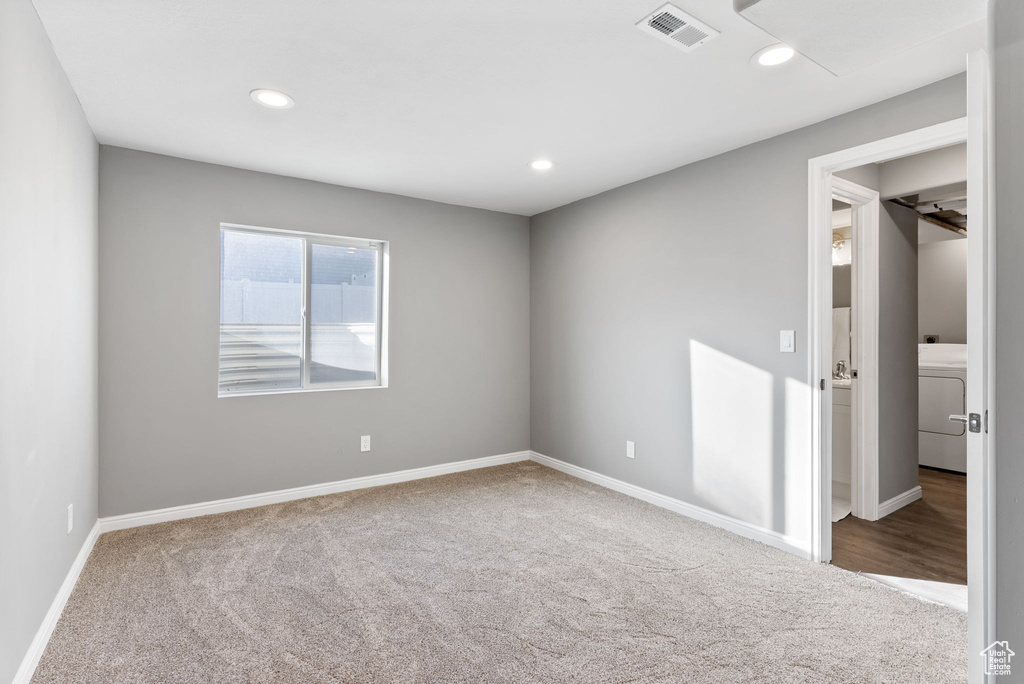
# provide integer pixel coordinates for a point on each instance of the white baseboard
(765, 536)
(899, 501)
(42, 637)
(120, 522)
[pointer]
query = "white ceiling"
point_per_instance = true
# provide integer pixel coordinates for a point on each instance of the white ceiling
(450, 99)
(835, 35)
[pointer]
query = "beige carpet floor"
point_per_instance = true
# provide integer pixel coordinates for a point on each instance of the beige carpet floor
(512, 574)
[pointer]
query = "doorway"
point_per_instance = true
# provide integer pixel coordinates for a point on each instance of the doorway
(980, 482)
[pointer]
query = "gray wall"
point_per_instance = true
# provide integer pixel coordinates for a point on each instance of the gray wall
(897, 351)
(656, 310)
(48, 455)
(1007, 19)
(867, 175)
(942, 291)
(924, 171)
(459, 338)
(842, 286)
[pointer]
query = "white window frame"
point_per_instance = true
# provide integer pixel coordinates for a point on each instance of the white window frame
(383, 277)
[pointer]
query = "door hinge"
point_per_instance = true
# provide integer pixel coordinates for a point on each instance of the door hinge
(822, 384)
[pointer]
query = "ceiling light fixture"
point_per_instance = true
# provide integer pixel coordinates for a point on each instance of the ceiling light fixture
(274, 99)
(774, 55)
(541, 164)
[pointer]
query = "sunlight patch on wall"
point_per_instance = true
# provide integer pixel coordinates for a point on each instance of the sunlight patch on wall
(797, 464)
(732, 434)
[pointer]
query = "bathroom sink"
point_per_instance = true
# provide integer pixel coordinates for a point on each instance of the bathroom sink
(843, 382)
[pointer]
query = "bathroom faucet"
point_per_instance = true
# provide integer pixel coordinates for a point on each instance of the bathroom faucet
(840, 372)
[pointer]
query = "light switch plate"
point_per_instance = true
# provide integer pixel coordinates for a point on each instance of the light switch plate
(787, 341)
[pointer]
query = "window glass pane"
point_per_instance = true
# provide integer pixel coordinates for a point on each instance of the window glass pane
(260, 312)
(343, 335)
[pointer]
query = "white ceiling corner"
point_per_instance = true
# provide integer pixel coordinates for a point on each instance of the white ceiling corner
(846, 36)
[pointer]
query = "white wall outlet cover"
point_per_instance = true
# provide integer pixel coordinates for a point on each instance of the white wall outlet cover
(364, 443)
(71, 517)
(787, 341)
(630, 449)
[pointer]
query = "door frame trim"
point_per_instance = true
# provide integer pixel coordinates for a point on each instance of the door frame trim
(981, 321)
(864, 482)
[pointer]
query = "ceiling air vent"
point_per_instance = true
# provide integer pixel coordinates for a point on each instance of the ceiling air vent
(675, 26)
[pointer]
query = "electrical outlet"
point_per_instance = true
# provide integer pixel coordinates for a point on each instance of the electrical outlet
(630, 449)
(71, 517)
(364, 443)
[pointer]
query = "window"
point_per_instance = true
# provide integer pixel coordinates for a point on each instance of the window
(300, 311)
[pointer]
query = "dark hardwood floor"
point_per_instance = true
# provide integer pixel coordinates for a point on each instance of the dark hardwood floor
(925, 540)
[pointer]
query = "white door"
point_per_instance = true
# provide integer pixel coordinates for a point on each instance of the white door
(980, 346)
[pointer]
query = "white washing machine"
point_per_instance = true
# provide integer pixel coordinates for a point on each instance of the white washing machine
(942, 380)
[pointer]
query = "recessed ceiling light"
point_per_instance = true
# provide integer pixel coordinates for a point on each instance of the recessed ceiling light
(774, 55)
(274, 99)
(541, 164)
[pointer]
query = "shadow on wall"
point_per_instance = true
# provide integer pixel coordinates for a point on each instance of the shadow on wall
(740, 466)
